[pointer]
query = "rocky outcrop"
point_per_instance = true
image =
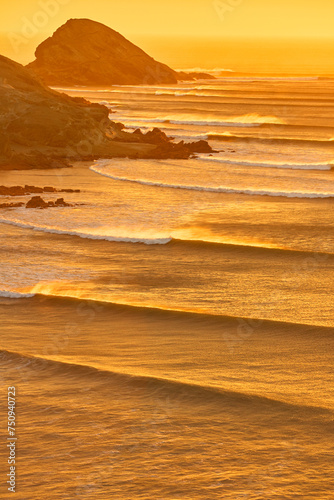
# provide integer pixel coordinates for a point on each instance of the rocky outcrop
(165, 148)
(11, 205)
(26, 190)
(41, 128)
(38, 202)
(85, 52)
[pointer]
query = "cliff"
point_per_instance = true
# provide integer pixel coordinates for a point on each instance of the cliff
(37, 124)
(85, 52)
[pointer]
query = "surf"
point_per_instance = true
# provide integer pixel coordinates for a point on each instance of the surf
(248, 120)
(290, 166)
(228, 137)
(160, 385)
(219, 189)
(87, 235)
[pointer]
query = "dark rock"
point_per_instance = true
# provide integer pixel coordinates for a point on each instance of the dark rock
(61, 203)
(68, 191)
(138, 132)
(15, 191)
(200, 147)
(156, 136)
(11, 205)
(36, 202)
(32, 189)
(41, 128)
(119, 126)
(22, 191)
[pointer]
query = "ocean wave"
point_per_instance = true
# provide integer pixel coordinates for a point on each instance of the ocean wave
(52, 292)
(153, 87)
(269, 79)
(205, 70)
(228, 137)
(177, 93)
(206, 241)
(248, 246)
(291, 166)
(158, 385)
(107, 104)
(250, 120)
(91, 236)
(218, 189)
(15, 295)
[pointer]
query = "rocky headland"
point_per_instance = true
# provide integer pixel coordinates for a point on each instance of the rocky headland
(85, 52)
(41, 128)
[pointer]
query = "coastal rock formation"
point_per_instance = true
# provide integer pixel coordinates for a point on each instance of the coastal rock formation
(25, 190)
(85, 52)
(11, 205)
(38, 202)
(41, 128)
(165, 148)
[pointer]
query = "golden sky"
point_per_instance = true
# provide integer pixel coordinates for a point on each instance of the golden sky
(34, 20)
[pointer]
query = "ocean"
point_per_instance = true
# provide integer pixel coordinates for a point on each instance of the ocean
(170, 335)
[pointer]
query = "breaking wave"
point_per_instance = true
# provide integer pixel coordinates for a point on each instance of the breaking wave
(218, 189)
(92, 236)
(250, 120)
(291, 166)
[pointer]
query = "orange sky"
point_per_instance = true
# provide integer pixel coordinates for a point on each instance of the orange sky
(34, 20)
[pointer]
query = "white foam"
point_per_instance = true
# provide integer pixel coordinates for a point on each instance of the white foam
(250, 120)
(214, 123)
(192, 122)
(191, 94)
(15, 295)
(291, 166)
(107, 104)
(218, 189)
(146, 241)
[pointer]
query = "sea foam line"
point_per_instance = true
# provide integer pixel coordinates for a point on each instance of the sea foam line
(291, 166)
(227, 137)
(286, 194)
(241, 121)
(146, 241)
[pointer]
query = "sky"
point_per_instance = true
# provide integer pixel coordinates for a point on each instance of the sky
(25, 23)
